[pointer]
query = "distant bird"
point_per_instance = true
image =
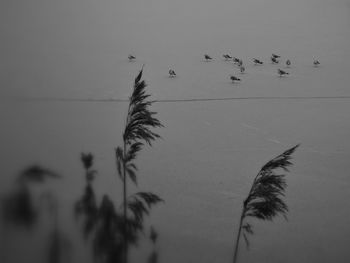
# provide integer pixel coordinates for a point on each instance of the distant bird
(288, 63)
(236, 60)
(282, 72)
(172, 73)
(131, 57)
(233, 78)
(316, 63)
(227, 56)
(274, 60)
(275, 56)
(207, 57)
(242, 69)
(257, 61)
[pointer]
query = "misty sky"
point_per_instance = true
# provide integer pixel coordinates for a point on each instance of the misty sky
(59, 48)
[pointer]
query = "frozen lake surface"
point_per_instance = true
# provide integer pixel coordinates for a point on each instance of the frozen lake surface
(71, 54)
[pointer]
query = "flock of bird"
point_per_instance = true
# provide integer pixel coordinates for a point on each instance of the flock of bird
(239, 62)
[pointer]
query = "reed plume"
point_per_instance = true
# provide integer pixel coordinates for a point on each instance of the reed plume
(138, 131)
(264, 200)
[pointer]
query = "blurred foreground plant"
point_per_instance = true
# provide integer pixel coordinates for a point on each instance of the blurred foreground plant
(22, 207)
(18, 207)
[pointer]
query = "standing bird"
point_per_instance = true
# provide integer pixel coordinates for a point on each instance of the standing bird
(236, 60)
(172, 73)
(257, 61)
(227, 56)
(131, 57)
(242, 69)
(282, 72)
(275, 56)
(316, 63)
(207, 57)
(288, 63)
(274, 60)
(233, 78)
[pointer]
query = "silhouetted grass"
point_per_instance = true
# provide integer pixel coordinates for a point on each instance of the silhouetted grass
(138, 131)
(264, 200)
(112, 230)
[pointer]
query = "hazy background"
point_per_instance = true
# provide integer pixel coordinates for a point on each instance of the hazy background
(211, 150)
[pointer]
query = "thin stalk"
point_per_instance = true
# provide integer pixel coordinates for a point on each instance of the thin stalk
(125, 210)
(125, 256)
(235, 255)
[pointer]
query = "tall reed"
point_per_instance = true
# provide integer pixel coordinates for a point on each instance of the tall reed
(264, 200)
(138, 124)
